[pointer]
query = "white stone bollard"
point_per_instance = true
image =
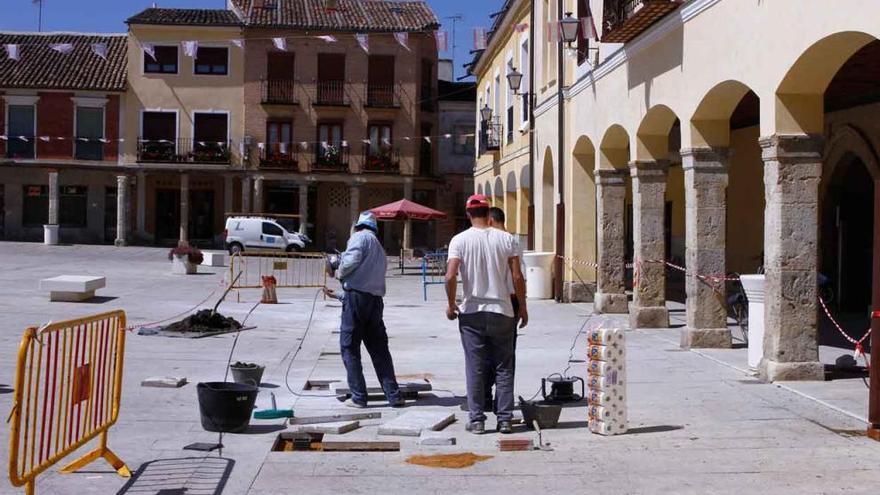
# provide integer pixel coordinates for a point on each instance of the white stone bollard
(607, 381)
(754, 288)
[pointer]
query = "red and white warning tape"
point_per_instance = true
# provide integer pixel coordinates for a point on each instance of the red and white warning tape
(859, 344)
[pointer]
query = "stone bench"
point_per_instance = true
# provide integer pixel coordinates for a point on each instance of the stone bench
(213, 259)
(72, 288)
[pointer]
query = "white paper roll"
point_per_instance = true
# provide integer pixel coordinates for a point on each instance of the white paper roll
(612, 397)
(606, 336)
(604, 368)
(606, 353)
(607, 428)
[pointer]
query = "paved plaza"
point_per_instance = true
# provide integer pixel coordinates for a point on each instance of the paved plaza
(698, 422)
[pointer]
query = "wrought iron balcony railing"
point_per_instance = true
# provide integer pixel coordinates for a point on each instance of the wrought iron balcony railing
(382, 96)
(623, 20)
(183, 150)
(279, 92)
(490, 136)
(384, 160)
(280, 156)
(331, 158)
(331, 93)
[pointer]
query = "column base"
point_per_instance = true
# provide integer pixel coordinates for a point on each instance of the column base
(120, 243)
(611, 303)
(774, 371)
(874, 433)
(649, 317)
(578, 292)
(705, 338)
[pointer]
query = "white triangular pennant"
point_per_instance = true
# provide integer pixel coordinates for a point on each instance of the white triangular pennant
(403, 39)
(238, 42)
(327, 38)
(190, 48)
(364, 41)
(149, 49)
(280, 43)
(64, 48)
(442, 38)
(100, 49)
(12, 52)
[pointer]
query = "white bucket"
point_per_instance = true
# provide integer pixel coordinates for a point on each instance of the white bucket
(50, 235)
(539, 275)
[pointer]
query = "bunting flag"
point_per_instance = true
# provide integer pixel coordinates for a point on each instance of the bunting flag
(427, 139)
(100, 49)
(190, 48)
(149, 49)
(403, 39)
(238, 42)
(327, 38)
(588, 27)
(442, 38)
(364, 41)
(64, 48)
(304, 146)
(44, 139)
(12, 52)
(324, 145)
(479, 38)
(521, 28)
(282, 147)
(3, 137)
(280, 44)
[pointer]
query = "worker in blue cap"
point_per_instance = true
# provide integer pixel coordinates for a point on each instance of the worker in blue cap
(362, 272)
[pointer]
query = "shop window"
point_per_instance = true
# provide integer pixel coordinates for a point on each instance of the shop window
(73, 211)
(35, 206)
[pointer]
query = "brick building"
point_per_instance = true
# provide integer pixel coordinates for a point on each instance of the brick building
(59, 135)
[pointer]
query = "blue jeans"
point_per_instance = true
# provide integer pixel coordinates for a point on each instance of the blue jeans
(362, 322)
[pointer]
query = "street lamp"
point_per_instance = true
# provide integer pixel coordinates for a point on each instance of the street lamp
(486, 113)
(569, 29)
(514, 79)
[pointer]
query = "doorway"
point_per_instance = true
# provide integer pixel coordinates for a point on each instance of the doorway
(167, 216)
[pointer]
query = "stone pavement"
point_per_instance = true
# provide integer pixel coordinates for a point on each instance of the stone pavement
(698, 424)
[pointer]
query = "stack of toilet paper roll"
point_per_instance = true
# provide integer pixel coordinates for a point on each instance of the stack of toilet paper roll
(607, 381)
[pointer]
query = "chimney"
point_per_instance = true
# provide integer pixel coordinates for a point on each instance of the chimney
(444, 69)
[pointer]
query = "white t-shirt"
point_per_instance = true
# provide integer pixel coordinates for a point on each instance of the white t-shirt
(485, 269)
(522, 266)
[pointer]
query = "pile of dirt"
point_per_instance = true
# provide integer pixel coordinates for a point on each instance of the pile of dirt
(449, 461)
(204, 321)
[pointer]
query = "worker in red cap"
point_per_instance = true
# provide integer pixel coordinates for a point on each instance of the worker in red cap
(486, 258)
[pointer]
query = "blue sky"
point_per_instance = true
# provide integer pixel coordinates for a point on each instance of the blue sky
(102, 16)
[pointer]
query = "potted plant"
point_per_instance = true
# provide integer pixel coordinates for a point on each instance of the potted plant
(185, 260)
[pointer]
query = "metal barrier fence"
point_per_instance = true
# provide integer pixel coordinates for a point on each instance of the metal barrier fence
(433, 270)
(68, 384)
(289, 269)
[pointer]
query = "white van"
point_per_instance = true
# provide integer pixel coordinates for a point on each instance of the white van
(260, 233)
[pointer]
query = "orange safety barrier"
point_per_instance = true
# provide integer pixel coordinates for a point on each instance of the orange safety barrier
(290, 270)
(68, 384)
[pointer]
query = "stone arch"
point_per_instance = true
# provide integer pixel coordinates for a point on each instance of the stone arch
(799, 97)
(547, 202)
(511, 203)
(479, 189)
(498, 190)
(845, 140)
(614, 149)
(581, 221)
(487, 190)
(524, 201)
(710, 124)
(653, 135)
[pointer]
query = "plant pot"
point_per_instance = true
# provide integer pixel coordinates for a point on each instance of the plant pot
(247, 375)
(180, 265)
(226, 407)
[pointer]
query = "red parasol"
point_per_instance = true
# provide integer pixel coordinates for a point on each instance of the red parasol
(406, 210)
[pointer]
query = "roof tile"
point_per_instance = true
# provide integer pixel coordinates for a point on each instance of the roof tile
(350, 15)
(186, 17)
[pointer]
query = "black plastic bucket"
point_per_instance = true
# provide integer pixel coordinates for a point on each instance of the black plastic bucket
(248, 375)
(546, 413)
(226, 407)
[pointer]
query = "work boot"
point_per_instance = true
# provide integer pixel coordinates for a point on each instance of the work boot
(476, 427)
(505, 427)
(400, 402)
(356, 405)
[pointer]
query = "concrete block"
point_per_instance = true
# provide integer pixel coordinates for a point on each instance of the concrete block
(412, 423)
(340, 388)
(214, 259)
(72, 288)
(611, 303)
(328, 428)
(164, 382)
(436, 438)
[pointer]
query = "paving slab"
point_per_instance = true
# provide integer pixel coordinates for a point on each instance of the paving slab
(164, 382)
(339, 388)
(337, 428)
(413, 423)
(434, 438)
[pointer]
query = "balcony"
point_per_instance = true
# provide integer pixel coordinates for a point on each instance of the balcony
(331, 94)
(278, 92)
(382, 96)
(490, 136)
(626, 19)
(21, 147)
(280, 156)
(183, 151)
(333, 158)
(381, 161)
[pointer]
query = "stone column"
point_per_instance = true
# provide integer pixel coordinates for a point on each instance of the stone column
(649, 205)
(54, 197)
(705, 185)
(184, 210)
(245, 194)
(142, 205)
(610, 202)
(354, 201)
(303, 208)
(227, 194)
(792, 171)
(51, 230)
(258, 195)
(121, 209)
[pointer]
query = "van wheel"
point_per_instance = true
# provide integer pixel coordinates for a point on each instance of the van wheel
(235, 248)
(293, 248)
